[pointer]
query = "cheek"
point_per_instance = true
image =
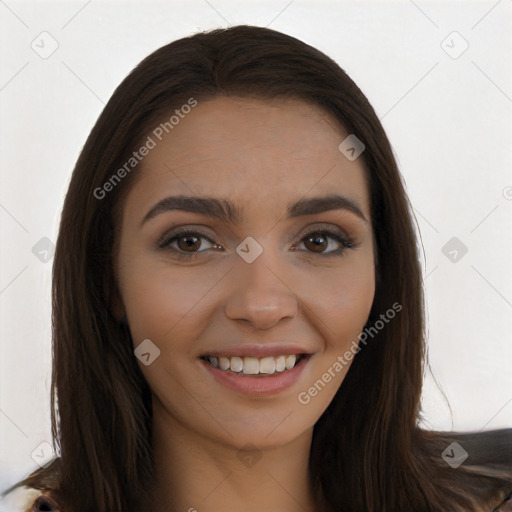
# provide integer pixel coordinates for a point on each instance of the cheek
(339, 305)
(350, 304)
(159, 300)
(340, 300)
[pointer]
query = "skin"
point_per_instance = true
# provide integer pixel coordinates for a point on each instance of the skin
(261, 155)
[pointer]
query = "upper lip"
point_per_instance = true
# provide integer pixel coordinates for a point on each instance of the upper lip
(254, 350)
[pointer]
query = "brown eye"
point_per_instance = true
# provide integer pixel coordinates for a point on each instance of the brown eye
(188, 243)
(325, 243)
(316, 242)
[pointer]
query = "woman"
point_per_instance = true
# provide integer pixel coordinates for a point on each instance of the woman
(237, 300)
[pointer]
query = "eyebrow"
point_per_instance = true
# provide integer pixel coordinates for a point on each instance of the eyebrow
(225, 211)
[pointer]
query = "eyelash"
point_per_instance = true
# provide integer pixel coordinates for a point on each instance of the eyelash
(166, 240)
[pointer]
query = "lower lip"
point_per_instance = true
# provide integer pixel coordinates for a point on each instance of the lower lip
(264, 385)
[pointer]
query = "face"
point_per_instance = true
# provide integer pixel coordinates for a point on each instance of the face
(252, 302)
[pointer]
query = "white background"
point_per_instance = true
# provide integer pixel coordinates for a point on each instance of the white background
(448, 119)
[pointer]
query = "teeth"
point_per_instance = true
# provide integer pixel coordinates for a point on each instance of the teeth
(267, 365)
(251, 366)
(280, 363)
(290, 361)
(223, 363)
(236, 364)
(254, 366)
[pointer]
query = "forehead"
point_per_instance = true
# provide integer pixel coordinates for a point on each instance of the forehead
(254, 152)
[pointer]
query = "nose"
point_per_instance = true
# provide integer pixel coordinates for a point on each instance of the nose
(260, 295)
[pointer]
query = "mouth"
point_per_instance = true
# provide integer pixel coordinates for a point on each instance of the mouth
(255, 366)
(253, 376)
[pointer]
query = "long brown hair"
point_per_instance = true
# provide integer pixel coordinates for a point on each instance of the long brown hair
(367, 452)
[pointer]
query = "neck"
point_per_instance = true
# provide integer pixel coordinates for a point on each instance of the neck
(193, 473)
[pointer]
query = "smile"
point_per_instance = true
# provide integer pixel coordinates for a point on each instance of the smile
(253, 365)
(256, 376)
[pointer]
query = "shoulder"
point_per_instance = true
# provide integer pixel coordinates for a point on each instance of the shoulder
(506, 505)
(493, 447)
(40, 491)
(487, 458)
(29, 499)
(483, 461)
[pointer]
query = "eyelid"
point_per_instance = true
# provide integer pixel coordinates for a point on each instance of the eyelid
(322, 227)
